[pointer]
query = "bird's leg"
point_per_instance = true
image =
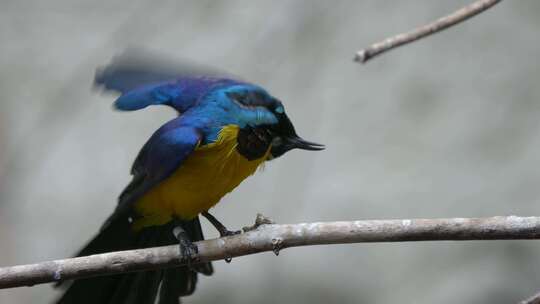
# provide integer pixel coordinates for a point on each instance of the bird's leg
(223, 231)
(188, 250)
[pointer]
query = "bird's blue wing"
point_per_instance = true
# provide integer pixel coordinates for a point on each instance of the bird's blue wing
(180, 94)
(144, 78)
(162, 155)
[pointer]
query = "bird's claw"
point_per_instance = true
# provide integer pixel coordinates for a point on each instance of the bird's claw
(188, 250)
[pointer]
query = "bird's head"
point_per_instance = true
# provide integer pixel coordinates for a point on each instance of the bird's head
(263, 123)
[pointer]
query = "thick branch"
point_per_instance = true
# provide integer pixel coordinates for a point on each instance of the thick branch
(443, 23)
(272, 237)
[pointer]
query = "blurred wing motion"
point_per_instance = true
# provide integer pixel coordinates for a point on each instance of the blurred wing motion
(136, 67)
(145, 78)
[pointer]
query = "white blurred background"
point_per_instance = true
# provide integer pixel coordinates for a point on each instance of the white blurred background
(445, 127)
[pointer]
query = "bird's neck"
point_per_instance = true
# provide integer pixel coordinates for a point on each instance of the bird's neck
(251, 143)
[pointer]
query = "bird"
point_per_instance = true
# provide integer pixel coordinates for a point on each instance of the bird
(225, 128)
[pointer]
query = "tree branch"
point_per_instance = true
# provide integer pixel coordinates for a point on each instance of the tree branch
(532, 300)
(443, 23)
(272, 237)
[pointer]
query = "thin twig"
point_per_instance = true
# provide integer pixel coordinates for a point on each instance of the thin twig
(272, 237)
(443, 23)
(532, 300)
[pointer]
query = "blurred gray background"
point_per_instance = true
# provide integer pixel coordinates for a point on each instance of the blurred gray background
(446, 127)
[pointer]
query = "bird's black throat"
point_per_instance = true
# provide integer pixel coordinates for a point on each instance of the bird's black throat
(253, 143)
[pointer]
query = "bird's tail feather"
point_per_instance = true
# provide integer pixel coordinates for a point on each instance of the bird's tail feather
(139, 287)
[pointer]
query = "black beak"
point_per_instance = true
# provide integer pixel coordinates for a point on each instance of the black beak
(296, 142)
(286, 139)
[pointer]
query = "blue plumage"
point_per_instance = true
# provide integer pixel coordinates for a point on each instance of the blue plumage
(146, 79)
(224, 130)
(170, 144)
(162, 154)
(180, 94)
(206, 102)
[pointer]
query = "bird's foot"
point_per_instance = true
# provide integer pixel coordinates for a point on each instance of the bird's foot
(223, 231)
(259, 221)
(188, 250)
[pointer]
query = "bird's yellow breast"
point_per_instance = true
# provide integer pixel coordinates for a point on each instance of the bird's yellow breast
(209, 173)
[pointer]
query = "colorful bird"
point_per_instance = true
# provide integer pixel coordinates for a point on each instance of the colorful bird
(226, 128)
